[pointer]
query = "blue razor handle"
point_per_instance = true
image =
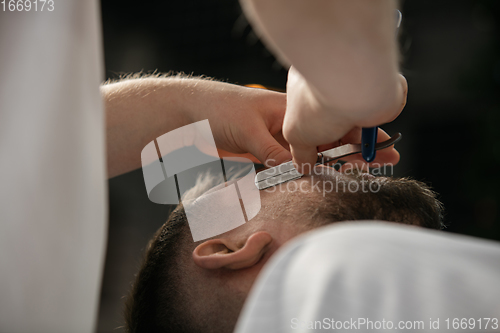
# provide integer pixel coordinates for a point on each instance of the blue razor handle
(368, 141)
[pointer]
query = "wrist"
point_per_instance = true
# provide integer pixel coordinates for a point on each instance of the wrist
(192, 98)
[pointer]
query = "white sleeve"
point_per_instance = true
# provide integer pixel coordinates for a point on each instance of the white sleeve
(52, 167)
(369, 277)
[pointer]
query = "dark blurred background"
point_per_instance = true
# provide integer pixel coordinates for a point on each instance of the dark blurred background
(450, 57)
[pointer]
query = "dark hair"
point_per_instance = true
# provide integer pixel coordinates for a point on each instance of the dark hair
(401, 200)
(155, 303)
(150, 292)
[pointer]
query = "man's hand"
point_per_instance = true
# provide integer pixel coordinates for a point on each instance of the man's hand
(347, 56)
(311, 123)
(242, 119)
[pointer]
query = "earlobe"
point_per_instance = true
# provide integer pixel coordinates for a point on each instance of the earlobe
(218, 253)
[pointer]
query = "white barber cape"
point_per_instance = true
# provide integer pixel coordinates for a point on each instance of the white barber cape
(371, 276)
(52, 168)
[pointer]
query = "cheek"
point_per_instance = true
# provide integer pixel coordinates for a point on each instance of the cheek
(241, 281)
(284, 229)
(284, 213)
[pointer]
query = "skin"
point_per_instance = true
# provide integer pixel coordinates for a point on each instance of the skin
(345, 66)
(310, 123)
(223, 269)
(243, 120)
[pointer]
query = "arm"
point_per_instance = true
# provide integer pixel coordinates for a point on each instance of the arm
(345, 59)
(242, 119)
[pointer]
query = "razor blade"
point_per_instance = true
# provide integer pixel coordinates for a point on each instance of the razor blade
(286, 171)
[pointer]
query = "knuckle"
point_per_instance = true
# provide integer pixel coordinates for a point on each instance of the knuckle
(269, 153)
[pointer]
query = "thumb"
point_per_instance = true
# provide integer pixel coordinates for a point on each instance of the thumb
(267, 150)
(304, 157)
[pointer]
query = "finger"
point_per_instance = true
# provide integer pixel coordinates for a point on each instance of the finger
(304, 158)
(233, 156)
(385, 156)
(404, 87)
(281, 140)
(353, 136)
(359, 165)
(267, 150)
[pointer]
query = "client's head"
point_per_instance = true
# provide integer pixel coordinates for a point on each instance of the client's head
(186, 286)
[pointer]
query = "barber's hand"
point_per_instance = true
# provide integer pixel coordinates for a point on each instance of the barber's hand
(311, 125)
(242, 120)
(386, 156)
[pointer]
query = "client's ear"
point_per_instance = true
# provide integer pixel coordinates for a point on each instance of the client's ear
(221, 253)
